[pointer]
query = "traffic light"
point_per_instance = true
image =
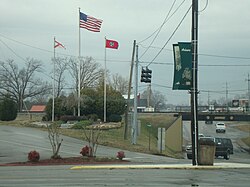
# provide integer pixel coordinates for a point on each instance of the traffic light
(146, 75)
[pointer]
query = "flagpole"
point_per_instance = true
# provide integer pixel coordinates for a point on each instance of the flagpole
(105, 86)
(53, 99)
(79, 68)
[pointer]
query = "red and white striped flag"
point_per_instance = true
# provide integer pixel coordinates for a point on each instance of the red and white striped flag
(90, 23)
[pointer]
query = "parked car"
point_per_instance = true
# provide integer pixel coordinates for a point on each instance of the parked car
(224, 148)
(189, 151)
(220, 127)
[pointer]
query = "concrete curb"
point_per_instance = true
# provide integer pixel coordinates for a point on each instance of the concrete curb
(165, 166)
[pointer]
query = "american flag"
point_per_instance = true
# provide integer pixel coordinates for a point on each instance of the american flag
(90, 23)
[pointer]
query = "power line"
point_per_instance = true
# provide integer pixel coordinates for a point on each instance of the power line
(205, 91)
(26, 44)
(200, 65)
(116, 60)
(204, 54)
(204, 7)
(163, 23)
(171, 35)
(224, 56)
(159, 30)
(13, 51)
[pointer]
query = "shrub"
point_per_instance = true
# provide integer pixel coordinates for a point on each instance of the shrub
(115, 118)
(82, 124)
(93, 117)
(33, 156)
(86, 151)
(120, 155)
(72, 118)
(45, 118)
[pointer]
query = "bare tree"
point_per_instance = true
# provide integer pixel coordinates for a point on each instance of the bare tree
(92, 136)
(90, 72)
(54, 138)
(157, 99)
(119, 83)
(61, 65)
(21, 84)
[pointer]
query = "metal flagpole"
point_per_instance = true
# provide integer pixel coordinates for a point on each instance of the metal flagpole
(53, 99)
(105, 87)
(79, 69)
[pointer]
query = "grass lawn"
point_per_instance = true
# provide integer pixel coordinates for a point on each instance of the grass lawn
(245, 127)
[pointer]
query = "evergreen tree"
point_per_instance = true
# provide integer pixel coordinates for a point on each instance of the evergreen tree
(8, 109)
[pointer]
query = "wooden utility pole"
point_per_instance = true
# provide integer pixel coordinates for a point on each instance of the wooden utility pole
(129, 91)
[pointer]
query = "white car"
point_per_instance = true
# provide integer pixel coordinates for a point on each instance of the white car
(220, 127)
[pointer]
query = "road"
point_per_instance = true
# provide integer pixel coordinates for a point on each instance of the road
(240, 155)
(62, 176)
(16, 142)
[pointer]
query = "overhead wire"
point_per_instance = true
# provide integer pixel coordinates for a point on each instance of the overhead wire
(204, 7)
(159, 30)
(204, 54)
(205, 91)
(163, 22)
(13, 51)
(23, 59)
(171, 35)
(126, 61)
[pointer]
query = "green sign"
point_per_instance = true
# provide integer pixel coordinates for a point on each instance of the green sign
(182, 66)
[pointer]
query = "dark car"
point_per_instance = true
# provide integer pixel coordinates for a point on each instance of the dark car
(224, 148)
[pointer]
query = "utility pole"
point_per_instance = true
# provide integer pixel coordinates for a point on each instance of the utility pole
(248, 88)
(134, 128)
(194, 89)
(208, 98)
(149, 96)
(129, 91)
(227, 97)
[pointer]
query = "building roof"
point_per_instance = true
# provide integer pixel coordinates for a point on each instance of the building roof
(38, 108)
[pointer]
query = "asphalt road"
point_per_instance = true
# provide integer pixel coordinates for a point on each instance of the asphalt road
(62, 176)
(240, 155)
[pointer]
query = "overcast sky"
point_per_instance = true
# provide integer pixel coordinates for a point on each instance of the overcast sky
(223, 31)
